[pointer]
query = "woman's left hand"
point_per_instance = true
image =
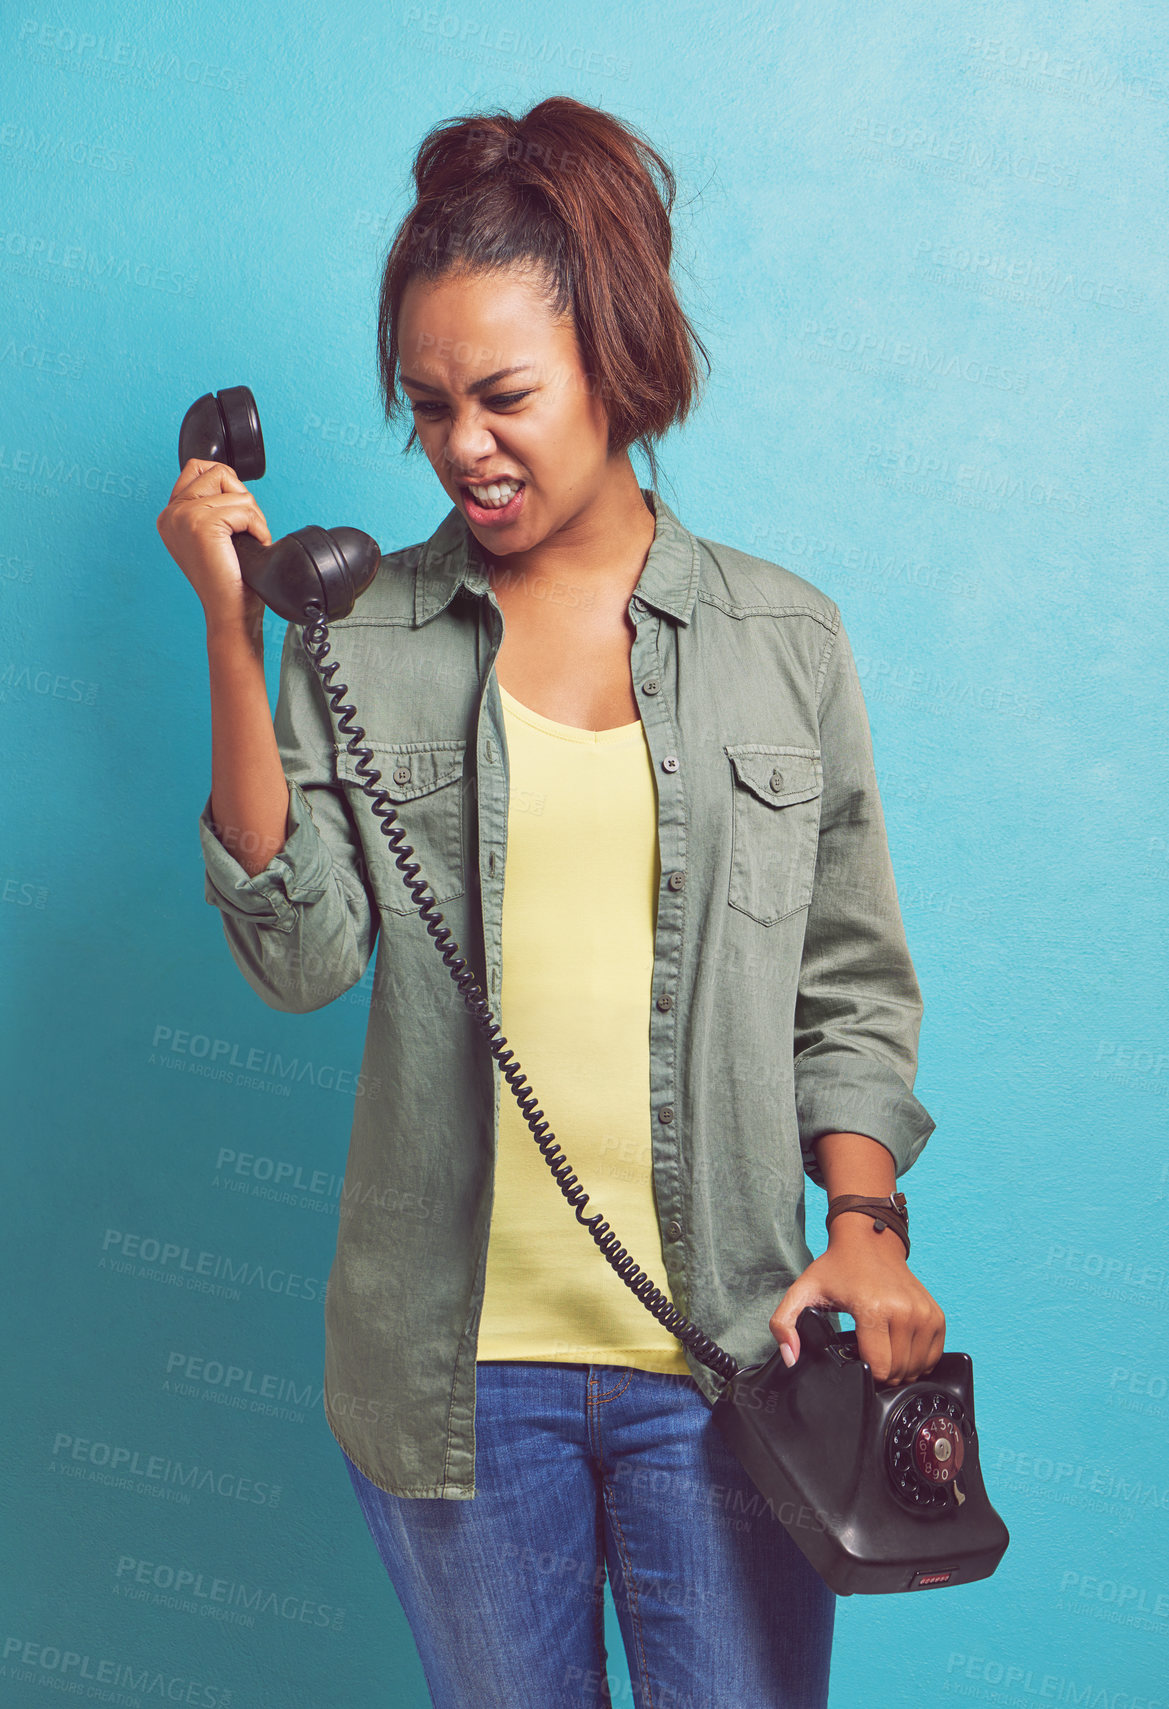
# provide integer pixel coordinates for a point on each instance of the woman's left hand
(901, 1329)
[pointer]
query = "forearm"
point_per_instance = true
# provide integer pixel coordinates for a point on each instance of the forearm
(854, 1163)
(249, 794)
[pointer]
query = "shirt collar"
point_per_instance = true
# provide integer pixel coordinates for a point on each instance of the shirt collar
(453, 558)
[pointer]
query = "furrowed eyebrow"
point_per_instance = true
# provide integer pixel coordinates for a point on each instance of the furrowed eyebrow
(476, 386)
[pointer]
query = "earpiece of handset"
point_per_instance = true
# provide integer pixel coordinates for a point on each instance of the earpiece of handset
(332, 566)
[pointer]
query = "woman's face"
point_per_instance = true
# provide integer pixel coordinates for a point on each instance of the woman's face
(498, 390)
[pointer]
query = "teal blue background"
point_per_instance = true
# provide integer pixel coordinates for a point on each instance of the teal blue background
(925, 247)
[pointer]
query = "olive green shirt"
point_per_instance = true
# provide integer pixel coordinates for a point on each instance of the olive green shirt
(784, 1003)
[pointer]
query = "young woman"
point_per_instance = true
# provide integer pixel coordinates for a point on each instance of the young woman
(635, 769)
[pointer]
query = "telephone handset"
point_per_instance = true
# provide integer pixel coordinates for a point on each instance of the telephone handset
(878, 1485)
(332, 568)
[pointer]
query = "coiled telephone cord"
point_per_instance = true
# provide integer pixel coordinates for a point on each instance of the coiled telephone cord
(706, 1351)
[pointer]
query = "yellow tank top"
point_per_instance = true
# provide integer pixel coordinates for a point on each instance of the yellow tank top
(579, 913)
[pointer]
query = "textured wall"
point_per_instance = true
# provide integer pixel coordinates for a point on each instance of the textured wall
(925, 246)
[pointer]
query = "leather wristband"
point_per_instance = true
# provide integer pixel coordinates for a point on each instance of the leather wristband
(886, 1213)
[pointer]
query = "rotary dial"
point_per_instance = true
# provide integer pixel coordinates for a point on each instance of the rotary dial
(925, 1446)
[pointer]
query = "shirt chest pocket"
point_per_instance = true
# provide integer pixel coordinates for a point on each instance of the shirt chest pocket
(424, 782)
(775, 806)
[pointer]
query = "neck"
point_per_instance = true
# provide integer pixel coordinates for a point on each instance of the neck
(609, 537)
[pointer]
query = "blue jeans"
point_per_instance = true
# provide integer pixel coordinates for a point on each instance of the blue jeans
(580, 1468)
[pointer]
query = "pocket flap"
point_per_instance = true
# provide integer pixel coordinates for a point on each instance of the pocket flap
(778, 776)
(409, 769)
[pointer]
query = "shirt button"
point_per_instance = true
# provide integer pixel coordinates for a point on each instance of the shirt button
(673, 1231)
(676, 880)
(670, 763)
(666, 1113)
(651, 685)
(401, 774)
(637, 604)
(776, 780)
(665, 1001)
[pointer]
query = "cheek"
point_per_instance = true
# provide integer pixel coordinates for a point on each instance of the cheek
(433, 442)
(567, 448)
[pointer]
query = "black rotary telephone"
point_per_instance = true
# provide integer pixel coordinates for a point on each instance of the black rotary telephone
(878, 1484)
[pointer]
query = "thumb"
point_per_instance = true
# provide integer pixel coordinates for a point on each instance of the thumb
(783, 1321)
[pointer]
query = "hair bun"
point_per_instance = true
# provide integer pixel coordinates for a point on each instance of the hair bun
(464, 150)
(574, 194)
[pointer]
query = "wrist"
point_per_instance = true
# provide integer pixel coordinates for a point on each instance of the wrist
(853, 1229)
(859, 1219)
(235, 637)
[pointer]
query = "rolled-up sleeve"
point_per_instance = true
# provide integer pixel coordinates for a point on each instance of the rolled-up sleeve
(302, 930)
(858, 1005)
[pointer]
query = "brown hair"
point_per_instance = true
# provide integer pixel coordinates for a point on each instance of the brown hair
(568, 190)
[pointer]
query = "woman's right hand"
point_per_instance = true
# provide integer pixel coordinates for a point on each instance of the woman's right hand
(208, 504)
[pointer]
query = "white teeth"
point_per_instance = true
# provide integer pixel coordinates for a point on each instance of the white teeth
(497, 494)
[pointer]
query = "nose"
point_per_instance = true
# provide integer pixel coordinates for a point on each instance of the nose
(468, 443)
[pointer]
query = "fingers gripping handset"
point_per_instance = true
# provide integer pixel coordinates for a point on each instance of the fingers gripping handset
(221, 443)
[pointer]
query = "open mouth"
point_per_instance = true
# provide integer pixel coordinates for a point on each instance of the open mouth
(491, 515)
